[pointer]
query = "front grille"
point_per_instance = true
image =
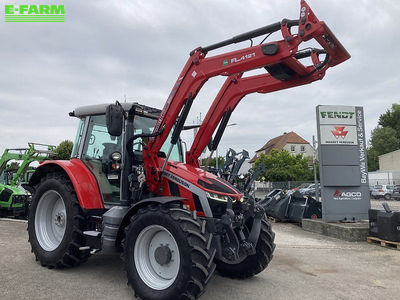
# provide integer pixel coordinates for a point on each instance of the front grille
(5, 195)
(18, 199)
(218, 208)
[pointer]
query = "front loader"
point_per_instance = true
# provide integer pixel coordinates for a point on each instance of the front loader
(14, 194)
(130, 188)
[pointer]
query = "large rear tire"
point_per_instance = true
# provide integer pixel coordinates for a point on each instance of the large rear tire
(256, 263)
(56, 223)
(168, 253)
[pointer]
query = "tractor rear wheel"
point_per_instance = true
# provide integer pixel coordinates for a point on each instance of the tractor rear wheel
(56, 223)
(252, 264)
(168, 253)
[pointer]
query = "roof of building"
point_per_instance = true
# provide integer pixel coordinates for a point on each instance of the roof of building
(279, 142)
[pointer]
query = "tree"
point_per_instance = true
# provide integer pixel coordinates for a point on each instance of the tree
(385, 137)
(372, 157)
(63, 151)
(221, 161)
(391, 119)
(282, 166)
(384, 140)
(13, 166)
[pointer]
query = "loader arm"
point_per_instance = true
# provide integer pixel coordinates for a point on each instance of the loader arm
(235, 89)
(27, 156)
(8, 155)
(200, 68)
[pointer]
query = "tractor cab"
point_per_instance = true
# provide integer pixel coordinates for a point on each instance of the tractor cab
(103, 153)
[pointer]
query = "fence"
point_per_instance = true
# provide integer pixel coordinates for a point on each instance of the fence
(384, 178)
(383, 182)
(266, 187)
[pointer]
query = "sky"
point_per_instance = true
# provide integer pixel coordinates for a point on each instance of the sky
(135, 50)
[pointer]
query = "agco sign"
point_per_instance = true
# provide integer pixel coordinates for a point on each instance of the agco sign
(337, 195)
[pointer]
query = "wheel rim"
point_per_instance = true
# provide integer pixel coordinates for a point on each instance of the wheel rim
(157, 258)
(50, 220)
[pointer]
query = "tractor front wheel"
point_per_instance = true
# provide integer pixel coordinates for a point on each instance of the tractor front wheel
(168, 253)
(253, 264)
(56, 224)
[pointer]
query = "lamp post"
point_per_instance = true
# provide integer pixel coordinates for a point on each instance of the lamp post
(315, 168)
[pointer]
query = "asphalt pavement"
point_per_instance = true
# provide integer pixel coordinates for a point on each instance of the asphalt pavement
(306, 266)
(393, 204)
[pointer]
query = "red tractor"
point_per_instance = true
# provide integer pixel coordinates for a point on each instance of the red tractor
(129, 187)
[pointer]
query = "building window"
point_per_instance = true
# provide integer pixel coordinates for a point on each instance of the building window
(303, 148)
(292, 148)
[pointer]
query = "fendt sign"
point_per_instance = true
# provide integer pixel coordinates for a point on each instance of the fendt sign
(326, 115)
(337, 125)
(343, 165)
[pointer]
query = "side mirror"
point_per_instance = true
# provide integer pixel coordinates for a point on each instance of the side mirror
(115, 119)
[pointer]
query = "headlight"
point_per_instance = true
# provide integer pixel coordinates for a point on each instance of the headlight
(217, 197)
(116, 156)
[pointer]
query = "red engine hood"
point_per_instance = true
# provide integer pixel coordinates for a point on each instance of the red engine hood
(202, 179)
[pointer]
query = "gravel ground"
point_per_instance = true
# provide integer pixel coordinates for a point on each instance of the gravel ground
(306, 266)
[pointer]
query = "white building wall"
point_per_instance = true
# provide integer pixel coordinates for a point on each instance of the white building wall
(304, 149)
(390, 161)
(384, 177)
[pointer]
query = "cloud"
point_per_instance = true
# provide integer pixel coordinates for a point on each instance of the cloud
(106, 50)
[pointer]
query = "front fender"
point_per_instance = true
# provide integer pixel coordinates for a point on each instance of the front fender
(142, 203)
(84, 182)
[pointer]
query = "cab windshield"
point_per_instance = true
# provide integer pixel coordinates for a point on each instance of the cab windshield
(99, 145)
(5, 178)
(146, 125)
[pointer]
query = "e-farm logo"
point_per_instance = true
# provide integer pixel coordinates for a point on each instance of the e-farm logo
(34, 13)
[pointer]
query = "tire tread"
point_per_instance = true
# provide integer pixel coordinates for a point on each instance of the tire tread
(72, 255)
(199, 240)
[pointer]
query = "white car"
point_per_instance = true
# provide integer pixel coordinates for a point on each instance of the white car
(382, 191)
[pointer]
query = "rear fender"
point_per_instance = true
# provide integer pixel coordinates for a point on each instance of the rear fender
(84, 182)
(145, 202)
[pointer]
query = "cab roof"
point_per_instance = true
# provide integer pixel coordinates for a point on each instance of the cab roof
(100, 109)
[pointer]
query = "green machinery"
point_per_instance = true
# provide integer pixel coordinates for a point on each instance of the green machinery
(14, 191)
